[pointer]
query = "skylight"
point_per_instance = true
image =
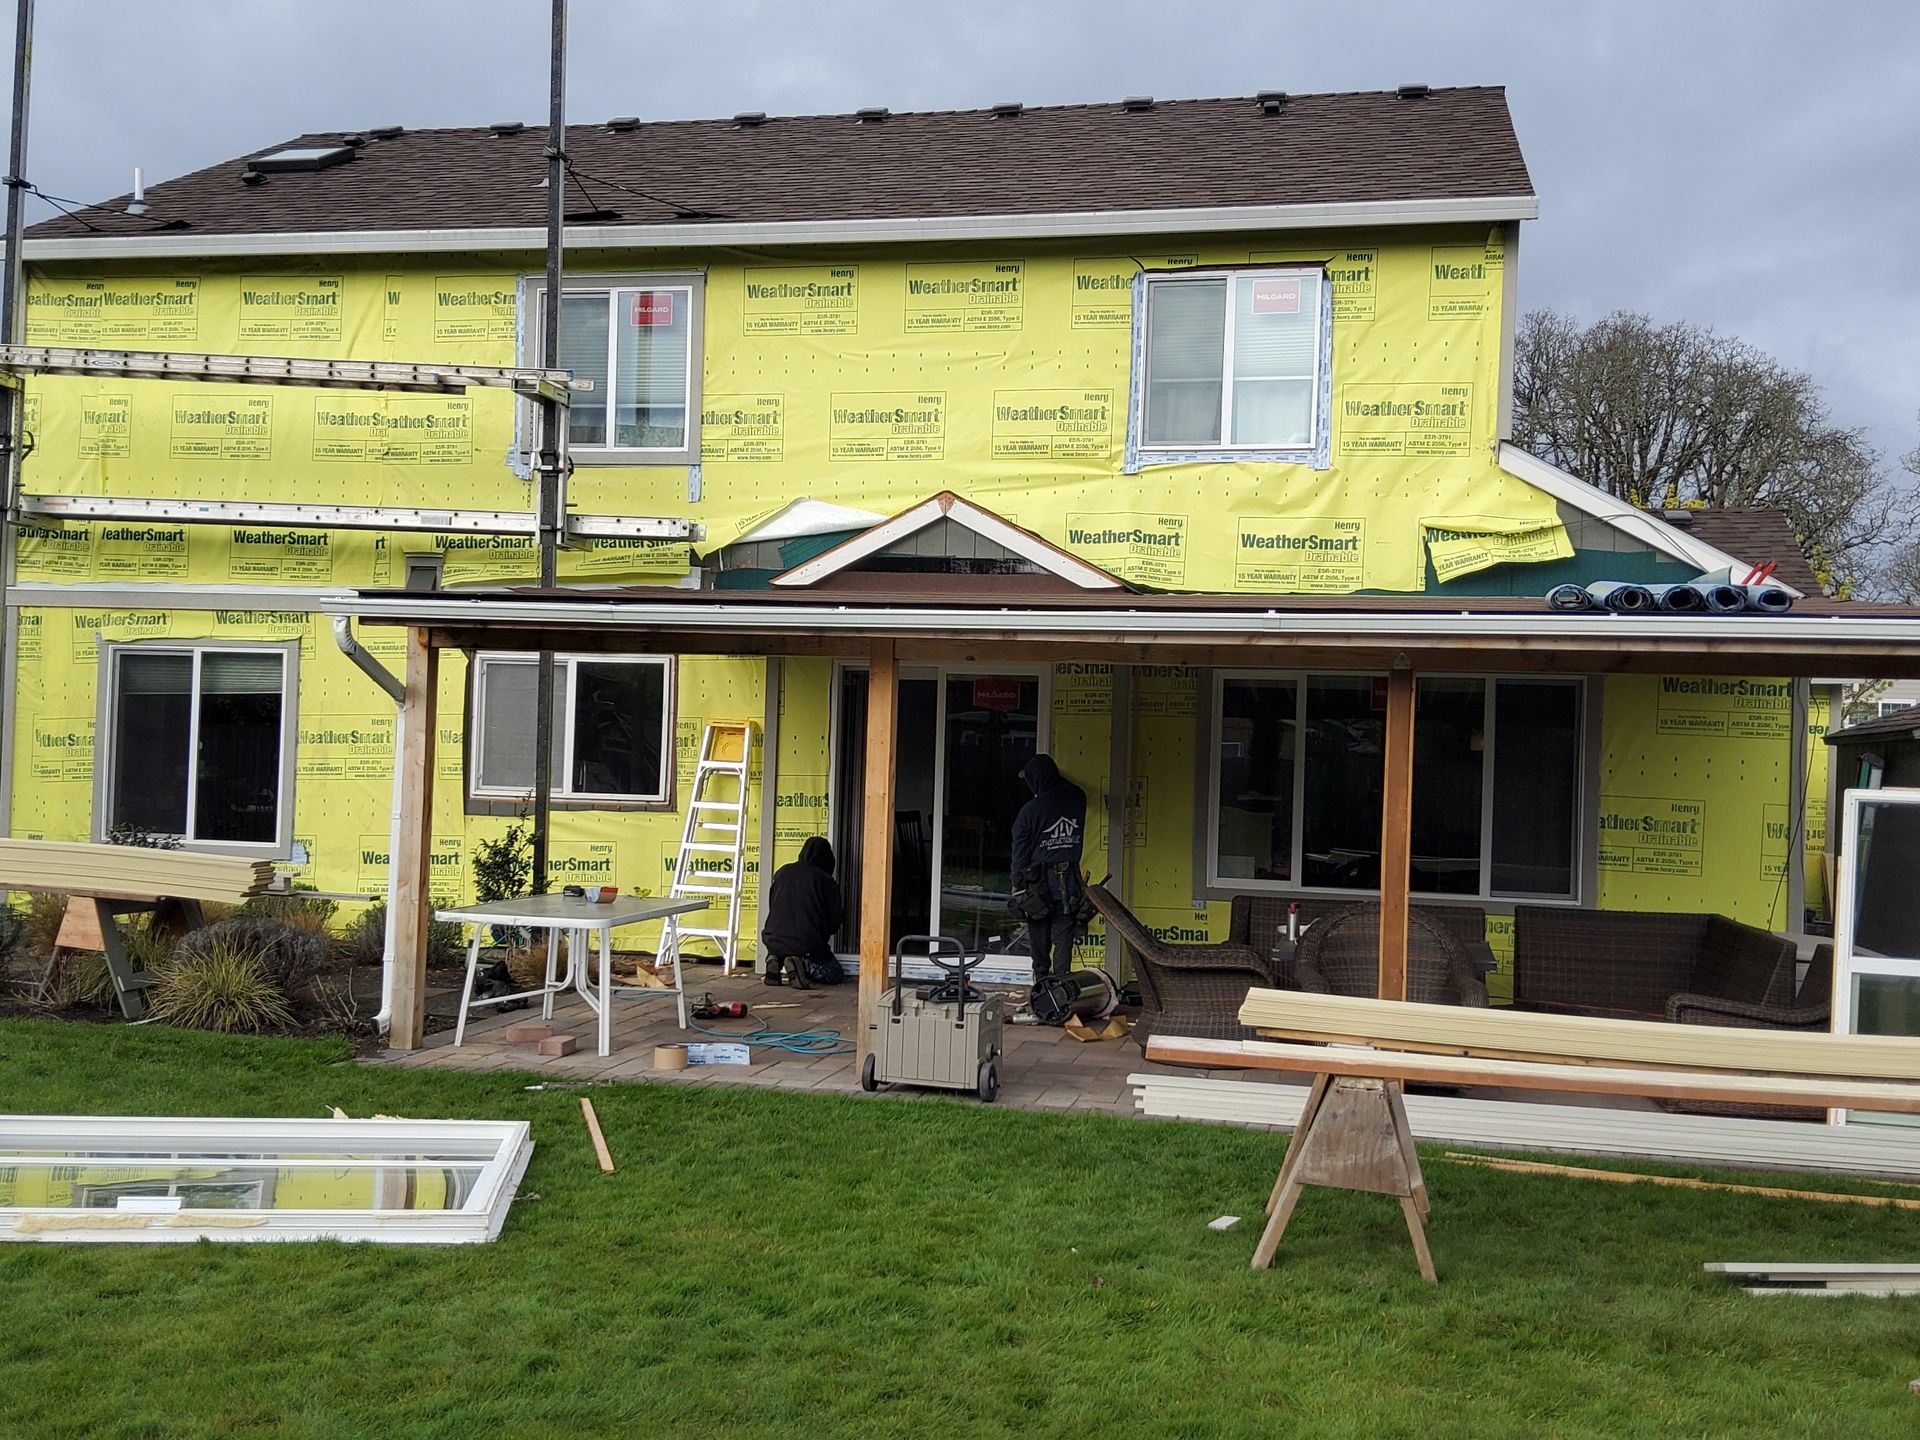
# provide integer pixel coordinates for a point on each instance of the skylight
(302, 157)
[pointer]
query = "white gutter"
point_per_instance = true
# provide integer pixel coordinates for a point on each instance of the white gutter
(1129, 626)
(1210, 219)
(1629, 520)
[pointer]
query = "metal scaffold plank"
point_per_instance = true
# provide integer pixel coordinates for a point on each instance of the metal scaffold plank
(341, 517)
(552, 385)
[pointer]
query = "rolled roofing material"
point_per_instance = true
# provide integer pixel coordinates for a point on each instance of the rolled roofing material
(1721, 598)
(1621, 597)
(1767, 599)
(1679, 599)
(1568, 597)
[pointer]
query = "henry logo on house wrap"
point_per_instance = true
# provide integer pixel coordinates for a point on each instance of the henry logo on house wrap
(746, 429)
(298, 556)
(1715, 705)
(141, 551)
(1053, 424)
(955, 295)
(1652, 836)
(106, 426)
(209, 425)
(447, 879)
(143, 311)
(1141, 549)
(473, 307)
(887, 425)
(1301, 557)
(1414, 420)
(801, 300)
(1352, 275)
(392, 429)
(291, 307)
(345, 747)
(1103, 288)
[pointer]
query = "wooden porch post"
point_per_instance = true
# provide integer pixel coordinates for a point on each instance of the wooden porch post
(412, 855)
(1396, 832)
(876, 835)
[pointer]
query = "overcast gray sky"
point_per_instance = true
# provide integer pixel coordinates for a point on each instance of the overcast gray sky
(1754, 166)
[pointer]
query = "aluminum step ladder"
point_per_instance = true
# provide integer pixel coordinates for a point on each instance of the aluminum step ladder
(712, 861)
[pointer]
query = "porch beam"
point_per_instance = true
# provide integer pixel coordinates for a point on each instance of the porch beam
(1396, 832)
(876, 835)
(412, 855)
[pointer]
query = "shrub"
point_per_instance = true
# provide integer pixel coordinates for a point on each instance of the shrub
(41, 924)
(79, 979)
(366, 943)
(223, 986)
(304, 912)
(289, 955)
(141, 837)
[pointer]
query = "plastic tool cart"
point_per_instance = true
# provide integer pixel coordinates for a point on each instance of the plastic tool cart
(944, 1034)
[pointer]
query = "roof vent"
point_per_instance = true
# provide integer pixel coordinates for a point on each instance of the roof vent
(1271, 101)
(250, 176)
(750, 119)
(1413, 92)
(1137, 104)
(302, 157)
(1008, 110)
(624, 122)
(387, 132)
(356, 141)
(507, 127)
(871, 115)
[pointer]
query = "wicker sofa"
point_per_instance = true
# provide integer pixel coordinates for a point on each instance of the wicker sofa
(1632, 963)
(1186, 989)
(1340, 955)
(1258, 919)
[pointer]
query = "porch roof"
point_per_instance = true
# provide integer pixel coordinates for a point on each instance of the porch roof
(1820, 637)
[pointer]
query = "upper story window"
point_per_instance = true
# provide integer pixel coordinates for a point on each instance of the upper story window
(197, 742)
(637, 338)
(1233, 365)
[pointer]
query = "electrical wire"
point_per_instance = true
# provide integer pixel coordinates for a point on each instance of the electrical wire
(62, 203)
(794, 1042)
(685, 212)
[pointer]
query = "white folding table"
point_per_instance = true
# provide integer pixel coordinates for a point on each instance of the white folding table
(574, 918)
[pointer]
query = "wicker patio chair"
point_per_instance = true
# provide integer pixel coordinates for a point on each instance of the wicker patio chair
(1811, 1010)
(1340, 955)
(1261, 921)
(1631, 963)
(1185, 989)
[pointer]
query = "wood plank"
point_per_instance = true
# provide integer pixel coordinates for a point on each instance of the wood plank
(599, 1140)
(1678, 1182)
(412, 856)
(1501, 1033)
(1396, 832)
(1810, 1270)
(1536, 1075)
(876, 836)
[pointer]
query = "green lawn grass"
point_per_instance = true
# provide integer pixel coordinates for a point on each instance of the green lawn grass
(793, 1265)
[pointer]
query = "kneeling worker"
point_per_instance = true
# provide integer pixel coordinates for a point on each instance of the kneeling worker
(804, 910)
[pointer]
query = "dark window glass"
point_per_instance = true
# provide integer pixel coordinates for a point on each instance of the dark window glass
(1449, 754)
(237, 784)
(1257, 753)
(153, 741)
(617, 729)
(1536, 784)
(1346, 722)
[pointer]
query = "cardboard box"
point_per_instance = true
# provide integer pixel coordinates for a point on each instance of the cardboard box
(714, 1053)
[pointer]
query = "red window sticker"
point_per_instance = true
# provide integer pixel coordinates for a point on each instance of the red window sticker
(655, 307)
(1276, 297)
(996, 694)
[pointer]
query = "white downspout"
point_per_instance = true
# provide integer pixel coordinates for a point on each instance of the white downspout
(397, 692)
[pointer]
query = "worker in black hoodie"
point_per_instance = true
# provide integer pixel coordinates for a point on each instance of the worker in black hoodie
(804, 909)
(1048, 835)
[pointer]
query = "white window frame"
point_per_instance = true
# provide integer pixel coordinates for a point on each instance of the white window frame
(564, 729)
(106, 738)
(383, 1151)
(689, 284)
(1582, 827)
(1149, 450)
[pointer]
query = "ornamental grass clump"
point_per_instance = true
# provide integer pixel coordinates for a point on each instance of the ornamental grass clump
(221, 985)
(292, 955)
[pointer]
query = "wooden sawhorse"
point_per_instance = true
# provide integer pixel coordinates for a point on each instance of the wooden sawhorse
(1352, 1135)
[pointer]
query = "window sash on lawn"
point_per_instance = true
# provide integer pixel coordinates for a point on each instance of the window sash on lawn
(1233, 361)
(1297, 776)
(615, 745)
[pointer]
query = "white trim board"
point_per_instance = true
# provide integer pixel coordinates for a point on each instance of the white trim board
(1570, 1129)
(709, 234)
(964, 513)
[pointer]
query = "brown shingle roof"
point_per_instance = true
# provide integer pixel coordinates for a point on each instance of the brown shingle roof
(1755, 536)
(1448, 144)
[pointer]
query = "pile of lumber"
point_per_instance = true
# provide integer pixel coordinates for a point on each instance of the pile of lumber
(1577, 1040)
(128, 872)
(1778, 1278)
(1736, 1144)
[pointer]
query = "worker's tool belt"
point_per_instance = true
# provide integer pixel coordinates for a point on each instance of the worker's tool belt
(1052, 890)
